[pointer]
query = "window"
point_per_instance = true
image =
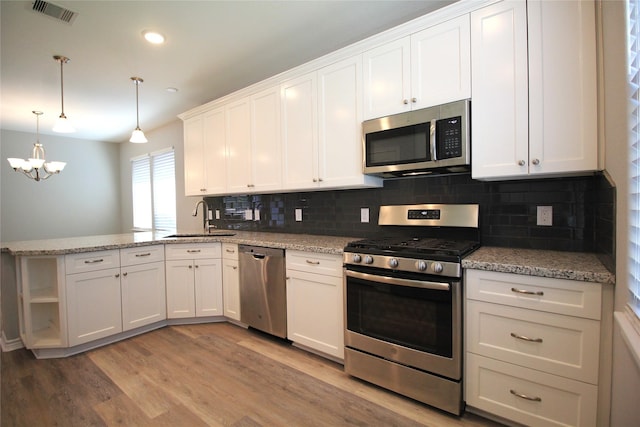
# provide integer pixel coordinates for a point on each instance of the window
(634, 154)
(153, 189)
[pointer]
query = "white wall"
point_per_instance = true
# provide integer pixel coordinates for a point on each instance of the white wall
(82, 200)
(626, 374)
(161, 138)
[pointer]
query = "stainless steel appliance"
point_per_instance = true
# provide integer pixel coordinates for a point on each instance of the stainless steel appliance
(426, 141)
(263, 298)
(403, 302)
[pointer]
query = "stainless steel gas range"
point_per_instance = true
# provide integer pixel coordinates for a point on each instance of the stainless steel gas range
(403, 302)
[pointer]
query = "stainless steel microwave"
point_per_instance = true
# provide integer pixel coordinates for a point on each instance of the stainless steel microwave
(426, 141)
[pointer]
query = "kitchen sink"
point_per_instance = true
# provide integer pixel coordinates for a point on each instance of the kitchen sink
(212, 234)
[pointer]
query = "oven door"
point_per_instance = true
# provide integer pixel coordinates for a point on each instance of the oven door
(412, 319)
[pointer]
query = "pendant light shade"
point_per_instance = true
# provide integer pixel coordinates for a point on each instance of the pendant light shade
(137, 136)
(62, 124)
(36, 167)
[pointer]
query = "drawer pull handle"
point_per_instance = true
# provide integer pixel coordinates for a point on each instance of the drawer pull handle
(230, 251)
(94, 261)
(143, 255)
(193, 251)
(526, 292)
(523, 338)
(524, 396)
(313, 262)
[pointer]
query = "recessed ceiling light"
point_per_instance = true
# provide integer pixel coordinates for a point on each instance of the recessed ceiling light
(153, 37)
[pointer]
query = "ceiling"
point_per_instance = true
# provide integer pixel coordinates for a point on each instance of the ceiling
(212, 48)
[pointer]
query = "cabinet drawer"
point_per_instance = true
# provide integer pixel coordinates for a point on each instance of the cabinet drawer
(230, 251)
(528, 396)
(561, 296)
(327, 264)
(191, 251)
(141, 255)
(561, 345)
(91, 261)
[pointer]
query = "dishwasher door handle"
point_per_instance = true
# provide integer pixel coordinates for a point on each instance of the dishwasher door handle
(259, 256)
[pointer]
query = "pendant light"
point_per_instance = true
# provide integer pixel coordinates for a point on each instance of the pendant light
(137, 136)
(62, 124)
(36, 167)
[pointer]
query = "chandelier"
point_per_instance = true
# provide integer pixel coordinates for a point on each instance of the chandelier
(36, 167)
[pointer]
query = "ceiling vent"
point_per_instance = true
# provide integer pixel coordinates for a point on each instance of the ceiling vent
(54, 11)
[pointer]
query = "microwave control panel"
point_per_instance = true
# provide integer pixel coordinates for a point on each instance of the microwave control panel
(449, 138)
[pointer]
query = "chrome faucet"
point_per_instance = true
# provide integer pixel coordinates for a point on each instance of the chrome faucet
(206, 224)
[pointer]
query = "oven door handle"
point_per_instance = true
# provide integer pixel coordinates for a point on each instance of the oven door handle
(438, 286)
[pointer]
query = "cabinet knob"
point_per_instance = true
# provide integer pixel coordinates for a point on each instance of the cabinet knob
(191, 266)
(196, 265)
(203, 189)
(414, 100)
(319, 179)
(117, 275)
(124, 274)
(536, 162)
(521, 163)
(315, 180)
(234, 267)
(250, 185)
(405, 101)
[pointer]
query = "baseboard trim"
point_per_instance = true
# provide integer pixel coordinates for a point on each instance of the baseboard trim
(10, 345)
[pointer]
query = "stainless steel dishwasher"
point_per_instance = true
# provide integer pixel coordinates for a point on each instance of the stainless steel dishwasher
(263, 296)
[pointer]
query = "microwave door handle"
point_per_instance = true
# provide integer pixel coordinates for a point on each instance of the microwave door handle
(397, 281)
(432, 140)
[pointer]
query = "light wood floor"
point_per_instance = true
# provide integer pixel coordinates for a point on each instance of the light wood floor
(198, 375)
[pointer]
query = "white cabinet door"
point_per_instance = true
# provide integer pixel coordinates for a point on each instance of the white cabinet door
(441, 63)
(340, 123)
(208, 287)
(194, 174)
(266, 148)
(387, 79)
(300, 132)
(500, 90)
(315, 312)
(93, 305)
(215, 155)
(180, 289)
(239, 146)
(231, 288)
(143, 295)
(563, 133)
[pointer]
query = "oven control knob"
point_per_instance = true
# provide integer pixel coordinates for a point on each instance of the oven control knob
(368, 259)
(393, 263)
(356, 258)
(421, 265)
(437, 267)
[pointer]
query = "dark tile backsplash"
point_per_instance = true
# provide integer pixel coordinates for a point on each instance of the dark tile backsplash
(583, 210)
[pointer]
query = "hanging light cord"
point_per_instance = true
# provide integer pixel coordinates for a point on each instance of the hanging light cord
(137, 81)
(62, 60)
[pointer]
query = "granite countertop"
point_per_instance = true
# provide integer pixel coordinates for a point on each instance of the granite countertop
(303, 242)
(581, 266)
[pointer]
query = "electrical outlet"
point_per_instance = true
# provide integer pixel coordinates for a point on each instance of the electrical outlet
(364, 214)
(248, 214)
(217, 213)
(298, 215)
(545, 215)
(256, 214)
(209, 214)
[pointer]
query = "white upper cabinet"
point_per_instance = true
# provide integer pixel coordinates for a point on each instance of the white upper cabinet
(238, 116)
(322, 129)
(533, 99)
(204, 153)
(266, 150)
(428, 68)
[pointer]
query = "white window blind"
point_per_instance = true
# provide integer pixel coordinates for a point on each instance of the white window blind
(154, 191)
(634, 155)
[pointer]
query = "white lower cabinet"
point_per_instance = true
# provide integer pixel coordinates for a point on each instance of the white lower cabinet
(315, 302)
(194, 280)
(532, 348)
(231, 281)
(94, 307)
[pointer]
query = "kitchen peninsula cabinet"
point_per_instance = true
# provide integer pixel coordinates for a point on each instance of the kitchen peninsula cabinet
(194, 280)
(231, 281)
(428, 68)
(533, 348)
(42, 302)
(321, 131)
(315, 308)
(534, 89)
(205, 153)
(94, 302)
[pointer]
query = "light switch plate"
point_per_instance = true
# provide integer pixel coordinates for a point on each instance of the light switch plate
(248, 214)
(364, 214)
(298, 215)
(217, 213)
(256, 214)
(209, 214)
